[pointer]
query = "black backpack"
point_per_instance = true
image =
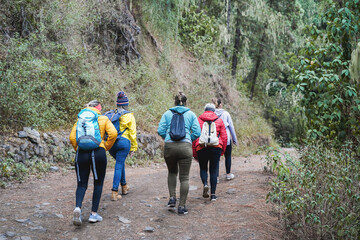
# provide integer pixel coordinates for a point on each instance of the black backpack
(177, 126)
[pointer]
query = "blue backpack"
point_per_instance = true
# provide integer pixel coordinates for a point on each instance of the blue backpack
(177, 126)
(88, 135)
(114, 117)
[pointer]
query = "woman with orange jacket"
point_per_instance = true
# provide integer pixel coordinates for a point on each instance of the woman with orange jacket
(210, 155)
(95, 160)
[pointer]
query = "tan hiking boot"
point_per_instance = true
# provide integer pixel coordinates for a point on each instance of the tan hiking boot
(115, 196)
(125, 188)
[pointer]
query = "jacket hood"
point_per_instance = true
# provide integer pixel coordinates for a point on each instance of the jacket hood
(208, 116)
(180, 109)
(115, 116)
(219, 111)
(95, 110)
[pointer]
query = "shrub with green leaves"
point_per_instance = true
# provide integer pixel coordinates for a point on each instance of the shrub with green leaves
(10, 170)
(198, 31)
(39, 85)
(330, 96)
(318, 195)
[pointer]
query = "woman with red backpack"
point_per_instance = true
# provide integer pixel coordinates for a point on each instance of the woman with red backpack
(208, 148)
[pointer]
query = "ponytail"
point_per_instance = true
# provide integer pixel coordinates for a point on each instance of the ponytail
(216, 101)
(180, 99)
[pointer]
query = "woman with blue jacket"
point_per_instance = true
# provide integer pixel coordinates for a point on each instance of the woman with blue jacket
(178, 153)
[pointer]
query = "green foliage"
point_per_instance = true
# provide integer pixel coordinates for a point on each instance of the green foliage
(10, 170)
(318, 195)
(288, 124)
(39, 84)
(165, 15)
(330, 96)
(198, 31)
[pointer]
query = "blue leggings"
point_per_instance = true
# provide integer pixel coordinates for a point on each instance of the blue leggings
(119, 151)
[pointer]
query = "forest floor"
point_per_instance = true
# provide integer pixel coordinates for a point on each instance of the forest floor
(42, 208)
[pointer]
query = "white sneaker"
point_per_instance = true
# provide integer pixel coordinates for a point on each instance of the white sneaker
(206, 191)
(95, 218)
(230, 176)
(77, 217)
(218, 180)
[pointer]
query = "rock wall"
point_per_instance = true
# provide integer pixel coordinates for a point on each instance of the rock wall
(30, 145)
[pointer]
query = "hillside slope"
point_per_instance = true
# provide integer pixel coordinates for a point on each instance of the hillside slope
(56, 56)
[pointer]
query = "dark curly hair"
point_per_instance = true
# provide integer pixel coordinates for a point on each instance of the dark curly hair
(180, 99)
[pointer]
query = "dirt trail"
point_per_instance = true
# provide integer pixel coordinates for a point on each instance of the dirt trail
(42, 208)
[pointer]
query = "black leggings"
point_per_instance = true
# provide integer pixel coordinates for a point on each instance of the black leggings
(209, 156)
(228, 158)
(84, 162)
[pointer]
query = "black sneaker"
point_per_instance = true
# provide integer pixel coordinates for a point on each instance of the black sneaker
(182, 210)
(213, 197)
(172, 202)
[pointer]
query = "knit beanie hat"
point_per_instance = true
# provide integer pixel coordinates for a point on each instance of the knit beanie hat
(122, 99)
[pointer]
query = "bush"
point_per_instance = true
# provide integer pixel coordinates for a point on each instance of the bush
(10, 170)
(198, 31)
(40, 86)
(318, 195)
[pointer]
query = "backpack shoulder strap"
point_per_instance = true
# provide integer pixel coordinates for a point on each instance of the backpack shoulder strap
(174, 112)
(211, 121)
(123, 113)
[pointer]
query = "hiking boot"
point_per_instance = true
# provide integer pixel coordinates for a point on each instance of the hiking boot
(77, 220)
(172, 202)
(124, 189)
(213, 197)
(182, 210)
(115, 196)
(206, 191)
(229, 176)
(95, 218)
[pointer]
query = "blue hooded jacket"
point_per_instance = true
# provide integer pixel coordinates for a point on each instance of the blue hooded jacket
(192, 126)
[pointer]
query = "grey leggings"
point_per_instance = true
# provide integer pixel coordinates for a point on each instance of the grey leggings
(178, 157)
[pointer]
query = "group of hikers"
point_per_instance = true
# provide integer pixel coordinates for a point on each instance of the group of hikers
(205, 139)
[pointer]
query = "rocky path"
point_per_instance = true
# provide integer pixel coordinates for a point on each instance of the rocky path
(42, 208)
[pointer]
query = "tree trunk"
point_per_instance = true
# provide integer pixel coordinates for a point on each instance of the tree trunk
(228, 16)
(227, 27)
(258, 61)
(236, 47)
(257, 65)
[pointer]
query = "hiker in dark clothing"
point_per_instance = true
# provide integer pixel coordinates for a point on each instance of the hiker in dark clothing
(209, 147)
(94, 159)
(177, 150)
